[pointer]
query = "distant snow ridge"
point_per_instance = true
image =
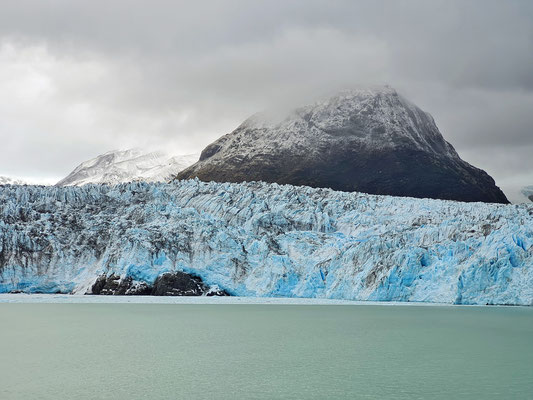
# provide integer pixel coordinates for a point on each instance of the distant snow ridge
(258, 239)
(5, 180)
(128, 165)
(528, 192)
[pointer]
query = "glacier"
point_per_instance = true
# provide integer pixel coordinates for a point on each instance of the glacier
(267, 240)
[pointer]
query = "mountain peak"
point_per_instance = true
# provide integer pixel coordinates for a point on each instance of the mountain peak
(119, 166)
(375, 117)
(371, 140)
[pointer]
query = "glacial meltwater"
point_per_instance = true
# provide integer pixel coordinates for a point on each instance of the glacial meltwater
(264, 351)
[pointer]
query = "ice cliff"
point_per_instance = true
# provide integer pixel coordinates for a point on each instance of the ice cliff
(258, 239)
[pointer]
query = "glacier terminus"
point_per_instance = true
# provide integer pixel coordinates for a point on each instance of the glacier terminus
(266, 240)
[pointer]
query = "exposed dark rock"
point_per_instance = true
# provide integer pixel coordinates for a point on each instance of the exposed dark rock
(178, 284)
(114, 285)
(104, 285)
(168, 284)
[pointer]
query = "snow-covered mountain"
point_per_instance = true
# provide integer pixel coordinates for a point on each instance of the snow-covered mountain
(128, 165)
(369, 140)
(259, 239)
(5, 180)
(528, 192)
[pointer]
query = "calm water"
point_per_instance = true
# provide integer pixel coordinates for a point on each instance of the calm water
(149, 351)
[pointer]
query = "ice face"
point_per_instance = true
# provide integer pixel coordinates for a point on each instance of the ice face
(258, 239)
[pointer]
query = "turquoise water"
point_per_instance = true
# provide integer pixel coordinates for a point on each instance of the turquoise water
(157, 351)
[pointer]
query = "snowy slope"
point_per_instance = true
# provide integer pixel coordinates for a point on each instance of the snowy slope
(127, 166)
(368, 140)
(528, 192)
(258, 239)
(5, 180)
(379, 110)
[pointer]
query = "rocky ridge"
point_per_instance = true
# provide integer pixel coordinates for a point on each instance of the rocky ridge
(366, 140)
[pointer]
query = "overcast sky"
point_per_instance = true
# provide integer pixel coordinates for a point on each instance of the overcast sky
(79, 78)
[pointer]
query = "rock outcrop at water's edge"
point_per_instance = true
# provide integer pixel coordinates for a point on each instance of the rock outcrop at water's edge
(258, 239)
(167, 284)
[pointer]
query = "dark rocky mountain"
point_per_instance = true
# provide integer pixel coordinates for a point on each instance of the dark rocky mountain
(366, 140)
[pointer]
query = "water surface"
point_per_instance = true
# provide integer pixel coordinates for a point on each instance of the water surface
(244, 351)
